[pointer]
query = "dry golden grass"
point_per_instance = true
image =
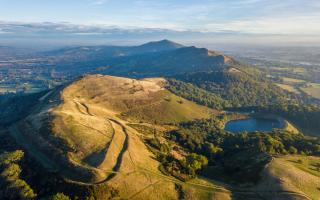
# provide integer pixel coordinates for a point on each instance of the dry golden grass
(289, 127)
(191, 193)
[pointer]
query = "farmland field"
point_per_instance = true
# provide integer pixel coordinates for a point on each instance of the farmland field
(292, 80)
(288, 88)
(312, 89)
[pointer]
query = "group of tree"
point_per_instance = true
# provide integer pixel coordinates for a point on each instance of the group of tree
(12, 186)
(184, 169)
(196, 94)
(224, 89)
(305, 116)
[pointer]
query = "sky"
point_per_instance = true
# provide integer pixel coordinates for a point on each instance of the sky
(297, 19)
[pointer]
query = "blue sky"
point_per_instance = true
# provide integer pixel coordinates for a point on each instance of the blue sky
(293, 17)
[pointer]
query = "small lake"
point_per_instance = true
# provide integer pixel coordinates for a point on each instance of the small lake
(253, 124)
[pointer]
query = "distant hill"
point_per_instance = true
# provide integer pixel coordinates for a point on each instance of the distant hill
(94, 52)
(154, 58)
(185, 59)
(8, 52)
(163, 45)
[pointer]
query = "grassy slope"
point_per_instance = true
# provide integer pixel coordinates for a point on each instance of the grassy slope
(287, 174)
(169, 109)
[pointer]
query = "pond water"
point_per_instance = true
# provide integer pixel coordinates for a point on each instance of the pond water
(253, 124)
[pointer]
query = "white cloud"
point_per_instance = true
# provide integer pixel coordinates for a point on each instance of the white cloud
(304, 25)
(100, 2)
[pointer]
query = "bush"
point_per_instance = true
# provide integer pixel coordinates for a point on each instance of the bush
(11, 157)
(60, 196)
(195, 162)
(292, 150)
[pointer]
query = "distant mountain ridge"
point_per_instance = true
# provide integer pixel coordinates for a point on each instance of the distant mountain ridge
(116, 51)
(154, 58)
(181, 60)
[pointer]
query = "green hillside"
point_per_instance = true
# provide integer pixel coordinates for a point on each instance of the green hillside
(238, 87)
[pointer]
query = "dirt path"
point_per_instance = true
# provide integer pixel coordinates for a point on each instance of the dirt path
(115, 148)
(80, 104)
(87, 108)
(122, 151)
(114, 155)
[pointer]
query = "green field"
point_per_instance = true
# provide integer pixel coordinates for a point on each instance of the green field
(288, 88)
(298, 70)
(14, 89)
(312, 89)
(4, 89)
(289, 81)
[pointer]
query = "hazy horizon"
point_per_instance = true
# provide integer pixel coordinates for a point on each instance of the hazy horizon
(54, 35)
(36, 23)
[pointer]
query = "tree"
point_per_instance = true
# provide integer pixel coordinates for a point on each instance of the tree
(11, 157)
(60, 196)
(195, 162)
(212, 151)
(16, 188)
(292, 150)
(11, 172)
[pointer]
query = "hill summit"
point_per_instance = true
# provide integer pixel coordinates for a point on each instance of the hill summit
(162, 45)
